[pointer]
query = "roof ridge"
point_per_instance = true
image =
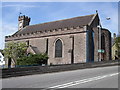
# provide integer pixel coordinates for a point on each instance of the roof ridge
(61, 20)
(69, 22)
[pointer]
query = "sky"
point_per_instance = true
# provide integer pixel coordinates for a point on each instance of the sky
(41, 12)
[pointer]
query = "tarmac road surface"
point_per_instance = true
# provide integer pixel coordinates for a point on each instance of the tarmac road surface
(101, 77)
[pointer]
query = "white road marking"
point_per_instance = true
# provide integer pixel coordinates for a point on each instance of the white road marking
(83, 81)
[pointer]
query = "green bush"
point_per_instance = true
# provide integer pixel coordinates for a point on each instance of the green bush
(33, 59)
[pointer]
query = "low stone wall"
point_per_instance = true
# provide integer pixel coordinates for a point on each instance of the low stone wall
(22, 71)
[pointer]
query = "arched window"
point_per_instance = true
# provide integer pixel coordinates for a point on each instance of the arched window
(58, 48)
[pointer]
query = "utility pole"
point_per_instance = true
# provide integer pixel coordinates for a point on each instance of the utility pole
(99, 45)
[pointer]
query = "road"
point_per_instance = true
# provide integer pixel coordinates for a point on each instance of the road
(102, 77)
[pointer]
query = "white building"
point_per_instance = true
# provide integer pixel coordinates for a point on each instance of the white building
(2, 62)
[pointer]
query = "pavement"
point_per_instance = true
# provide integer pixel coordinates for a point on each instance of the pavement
(100, 77)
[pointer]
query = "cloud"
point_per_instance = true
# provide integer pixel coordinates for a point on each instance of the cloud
(7, 29)
(65, 11)
(105, 10)
(112, 12)
(20, 5)
(60, 0)
(1, 37)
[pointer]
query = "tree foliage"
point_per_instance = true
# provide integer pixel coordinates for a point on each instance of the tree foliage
(15, 50)
(33, 59)
(117, 43)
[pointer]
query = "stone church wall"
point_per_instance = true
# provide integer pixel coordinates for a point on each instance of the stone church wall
(66, 57)
(64, 36)
(96, 42)
(80, 48)
(107, 34)
(40, 43)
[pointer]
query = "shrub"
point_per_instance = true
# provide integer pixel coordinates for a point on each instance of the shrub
(33, 59)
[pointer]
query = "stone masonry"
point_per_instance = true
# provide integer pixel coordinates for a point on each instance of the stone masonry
(81, 38)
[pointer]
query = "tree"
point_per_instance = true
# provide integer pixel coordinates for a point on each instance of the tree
(117, 43)
(15, 50)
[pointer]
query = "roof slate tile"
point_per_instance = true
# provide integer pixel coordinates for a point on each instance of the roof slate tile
(65, 23)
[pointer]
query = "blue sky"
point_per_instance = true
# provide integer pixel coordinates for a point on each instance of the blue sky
(40, 12)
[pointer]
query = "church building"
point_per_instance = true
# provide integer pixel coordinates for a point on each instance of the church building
(67, 41)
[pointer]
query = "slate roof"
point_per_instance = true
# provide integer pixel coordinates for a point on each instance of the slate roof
(35, 49)
(65, 23)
